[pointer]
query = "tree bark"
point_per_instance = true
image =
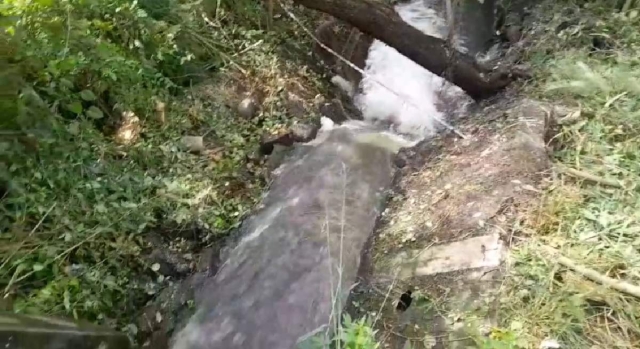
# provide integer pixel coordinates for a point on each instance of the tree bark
(383, 23)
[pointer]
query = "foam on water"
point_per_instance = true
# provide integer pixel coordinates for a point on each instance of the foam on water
(411, 107)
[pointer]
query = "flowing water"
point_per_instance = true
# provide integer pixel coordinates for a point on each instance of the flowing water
(398, 90)
(299, 254)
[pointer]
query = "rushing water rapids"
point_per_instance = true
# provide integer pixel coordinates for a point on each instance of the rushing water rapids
(300, 251)
(398, 90)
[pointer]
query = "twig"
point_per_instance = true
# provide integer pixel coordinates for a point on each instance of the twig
(618, 285)
(66, 43)
(28, 236)
(385, 299)
(364, 74)
(55, 259)
(590, 177)
(249, 48)
(217, 11)
(211, 47)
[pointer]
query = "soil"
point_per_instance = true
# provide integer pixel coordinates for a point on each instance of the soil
(453, 189)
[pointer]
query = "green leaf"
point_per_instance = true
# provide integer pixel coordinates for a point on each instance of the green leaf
(75, 107)
(74, 128)
(66, 83)
(87, 95)
(38, 267)
(45, 3)
(94, 113)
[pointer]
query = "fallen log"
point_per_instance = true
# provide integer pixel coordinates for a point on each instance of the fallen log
(434, 54)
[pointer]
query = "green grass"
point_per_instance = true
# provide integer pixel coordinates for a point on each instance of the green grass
(75, 220)
(595, 225)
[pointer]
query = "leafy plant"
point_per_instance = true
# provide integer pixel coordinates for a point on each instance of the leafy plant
(76, 208)
(356, 334)
(593, 224)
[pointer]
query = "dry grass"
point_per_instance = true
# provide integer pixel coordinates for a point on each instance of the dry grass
(595, 225)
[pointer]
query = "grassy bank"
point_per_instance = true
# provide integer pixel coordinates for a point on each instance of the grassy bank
(78, 202)
(586, 58)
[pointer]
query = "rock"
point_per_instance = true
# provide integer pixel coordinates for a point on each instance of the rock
(194, 144)
(269, 141)
(167, 312)
(248, 107)
(304, 132)
(298, 133)
(278, 157)
(207, 260)
(295, 106)
(343, 85)
(513, 34)
(400, 161)
(159, 109)
(129, 129)
(334, 110)
(170, 263)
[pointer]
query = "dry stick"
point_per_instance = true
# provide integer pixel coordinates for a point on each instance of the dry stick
(618, 285)
(205, 43)
(364, 74)
(249, 48)
(58, 257)
(590, 177)
(28, 236)
(385, 299)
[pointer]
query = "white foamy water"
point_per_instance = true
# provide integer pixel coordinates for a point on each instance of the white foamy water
(411, 107)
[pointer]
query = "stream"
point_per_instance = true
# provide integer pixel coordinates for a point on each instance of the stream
(291, 272)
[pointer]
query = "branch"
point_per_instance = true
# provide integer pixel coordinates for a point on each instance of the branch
(624, 287)
(590, 177)
(383, 23)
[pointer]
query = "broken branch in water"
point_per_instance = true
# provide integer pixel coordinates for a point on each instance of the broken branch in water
(591, 274)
